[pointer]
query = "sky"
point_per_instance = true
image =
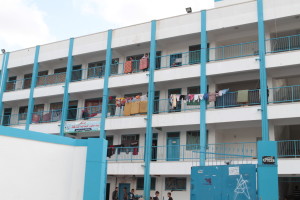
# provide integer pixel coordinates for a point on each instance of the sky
(27, 23)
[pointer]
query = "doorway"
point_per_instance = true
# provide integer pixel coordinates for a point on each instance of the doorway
(154, 147)
(173, 146)
(121, 189)
(107, 191)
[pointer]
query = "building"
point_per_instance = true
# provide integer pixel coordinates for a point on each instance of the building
(233, 125)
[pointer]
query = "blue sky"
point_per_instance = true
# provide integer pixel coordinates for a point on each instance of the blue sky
(27, 23)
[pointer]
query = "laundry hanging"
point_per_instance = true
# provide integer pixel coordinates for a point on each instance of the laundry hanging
(242, 96)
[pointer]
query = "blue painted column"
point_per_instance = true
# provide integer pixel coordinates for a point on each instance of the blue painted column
(105, 85)
(267, 150)
(103, 165)
(65, 107)
(151, 92)
(263, 71)
(203, 86)
(4, 74)
(33, 84)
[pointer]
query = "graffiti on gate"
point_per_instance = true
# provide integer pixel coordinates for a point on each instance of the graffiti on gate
(241, 188)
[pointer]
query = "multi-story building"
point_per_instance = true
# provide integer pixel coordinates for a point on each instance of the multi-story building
(233, 125)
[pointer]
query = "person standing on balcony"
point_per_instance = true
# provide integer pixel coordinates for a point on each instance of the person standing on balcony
(115, 194)
(169, 196)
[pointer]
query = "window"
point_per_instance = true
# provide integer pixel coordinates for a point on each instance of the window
(175, 183)
(140, 183)
(76, 73)
(133, 94)
(193, 140)
(11, 84)
(97, 69)
(195, 54)
(24, 110)
(128, 139)
(176, 60)
(110, 140)
(28, 77)
(92, 108)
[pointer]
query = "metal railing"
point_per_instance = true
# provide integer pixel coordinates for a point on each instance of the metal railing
(183, 153)
(285, 94)
(179, 59)
(51, 79)
(233, 51)
(280, 44)
(166, 106)
(273, 45)
(84, 113)
(288, 149)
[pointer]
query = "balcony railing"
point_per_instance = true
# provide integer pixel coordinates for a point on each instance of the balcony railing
(288, 149)
(233, 51)
(280, 44)
(84, 113)
(51, 79)
(221, 152)
(273, 45)
(285, 94)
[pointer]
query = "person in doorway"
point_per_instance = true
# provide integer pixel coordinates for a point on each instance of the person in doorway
(131, 195)
(169, 196)
(125, 195)
(156, 195)
(115, 194)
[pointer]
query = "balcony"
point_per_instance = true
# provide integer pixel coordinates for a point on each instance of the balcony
(273, 45)
(184, 153)
(90, 113)
(215, 153)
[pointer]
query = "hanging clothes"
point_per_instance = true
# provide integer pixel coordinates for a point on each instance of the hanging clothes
(128, 67)
(144, 63)
(201, 96)
(222, 92)
(174, 101)
(242, 96)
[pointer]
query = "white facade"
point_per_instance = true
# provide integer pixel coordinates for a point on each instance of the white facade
(233, 63)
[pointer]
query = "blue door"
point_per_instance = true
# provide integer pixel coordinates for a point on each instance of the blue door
(121, 189)
(173, 147)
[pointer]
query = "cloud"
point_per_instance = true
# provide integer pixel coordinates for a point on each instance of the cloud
(22, 25)
(123, 13)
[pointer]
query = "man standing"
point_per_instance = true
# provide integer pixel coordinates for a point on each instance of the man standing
(131, 195)
(156, 195)
(169, 195)
(115, 194)
(125, 195)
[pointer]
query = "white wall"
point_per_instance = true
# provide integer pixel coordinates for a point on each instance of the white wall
(32, 170)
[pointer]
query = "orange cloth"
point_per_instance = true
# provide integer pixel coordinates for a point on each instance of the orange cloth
(128, 67)
(127, 109)
(143, 106)
(135, 108)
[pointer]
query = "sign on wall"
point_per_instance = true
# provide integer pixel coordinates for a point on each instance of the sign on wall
(268, 160)
(84, 126)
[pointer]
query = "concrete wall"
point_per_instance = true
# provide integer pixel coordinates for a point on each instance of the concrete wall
(38, 170)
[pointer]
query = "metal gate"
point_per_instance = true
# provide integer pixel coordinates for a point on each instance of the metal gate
(224, 182)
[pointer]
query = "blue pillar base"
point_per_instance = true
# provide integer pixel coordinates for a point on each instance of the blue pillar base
(95, 172)
(266, 171)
